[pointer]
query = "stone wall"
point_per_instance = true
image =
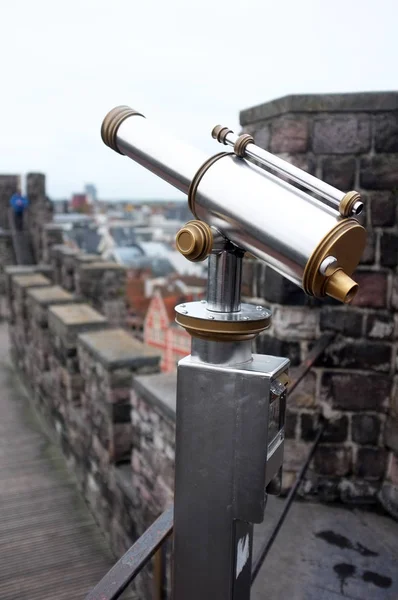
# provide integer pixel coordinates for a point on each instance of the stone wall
(8, 185)
(79, 372)
(350, 141)
(39, 211)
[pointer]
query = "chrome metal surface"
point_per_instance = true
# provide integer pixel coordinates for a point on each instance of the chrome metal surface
(326, 191)
(328, 262)
(357, 208)
(199, 310)
(156, 150)
(219, 241)
(256, 210)
(221, 353)
(224, 281)
(266, 216)
(222, 471)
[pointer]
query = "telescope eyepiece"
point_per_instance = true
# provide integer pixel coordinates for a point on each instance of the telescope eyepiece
(112, 122)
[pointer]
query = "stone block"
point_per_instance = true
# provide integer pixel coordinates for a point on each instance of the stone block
(116, 349)
(386, 132)
(370, 463)
(389, 498)
(389, 249)
(294, 323)
(342, 320)
(380, 326)
(358, 491)
(23, 282)
(85, 258)
(336, 430)
(261, 134)
(383, 208)
(157, 391)
(308, 426)
(364, 354)
(66, 322)
(355, 391)
(103, 284)
(357, 102)
(379, 172)
(296, 452)
(290, 133)
(392, 471)
(341, 134)
(304, 396)
(369, 253)
(372, 291)
(333, 460)
(39, 299)
(394, 399)
(339, 171)
(365, 429)
(391, 433)
(267, 344)
(52, 234)
(273, 287)
(394, 292)
(108, 361)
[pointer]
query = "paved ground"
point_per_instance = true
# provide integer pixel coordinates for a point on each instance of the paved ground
(328, 553)
(50, 546)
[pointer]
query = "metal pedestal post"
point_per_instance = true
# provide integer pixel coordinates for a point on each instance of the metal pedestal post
(229, 447)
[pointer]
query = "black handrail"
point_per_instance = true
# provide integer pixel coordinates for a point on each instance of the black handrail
(113, 584)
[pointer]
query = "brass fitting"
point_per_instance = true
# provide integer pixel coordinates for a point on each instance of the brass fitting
(348, 202)
(340, 286)
(195, 240)
(346, 242)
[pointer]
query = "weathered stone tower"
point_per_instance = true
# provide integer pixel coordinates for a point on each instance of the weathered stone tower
(350, 141)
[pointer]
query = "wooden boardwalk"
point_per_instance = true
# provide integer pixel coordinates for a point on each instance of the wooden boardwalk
(50, 546)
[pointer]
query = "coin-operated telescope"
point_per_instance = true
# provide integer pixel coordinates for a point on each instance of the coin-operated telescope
(230, 402)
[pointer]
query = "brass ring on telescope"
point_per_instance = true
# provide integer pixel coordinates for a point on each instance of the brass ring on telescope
(227, 331)
(347, 203)
(241, 143)
(219, 133)
(198, 177)
(112, 122)
(346, 241)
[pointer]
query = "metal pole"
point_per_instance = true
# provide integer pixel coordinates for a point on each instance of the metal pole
(224, 281)
(229, 442)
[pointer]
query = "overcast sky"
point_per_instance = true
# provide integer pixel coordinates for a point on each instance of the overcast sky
(187, 64)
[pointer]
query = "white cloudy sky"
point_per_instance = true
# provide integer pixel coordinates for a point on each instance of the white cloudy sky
(188, 64)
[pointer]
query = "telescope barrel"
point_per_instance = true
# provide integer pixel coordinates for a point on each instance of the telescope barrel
(270, 218)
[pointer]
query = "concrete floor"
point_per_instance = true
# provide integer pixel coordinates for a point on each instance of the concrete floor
(327, 552)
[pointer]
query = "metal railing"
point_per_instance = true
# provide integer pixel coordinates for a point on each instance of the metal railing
(116, 581)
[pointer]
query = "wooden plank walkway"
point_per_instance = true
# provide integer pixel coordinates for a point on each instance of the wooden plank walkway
(50, 545)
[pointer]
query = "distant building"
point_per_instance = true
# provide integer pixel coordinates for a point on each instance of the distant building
(79, 203)
(137, 302)
(91, 193)
(162, 332)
